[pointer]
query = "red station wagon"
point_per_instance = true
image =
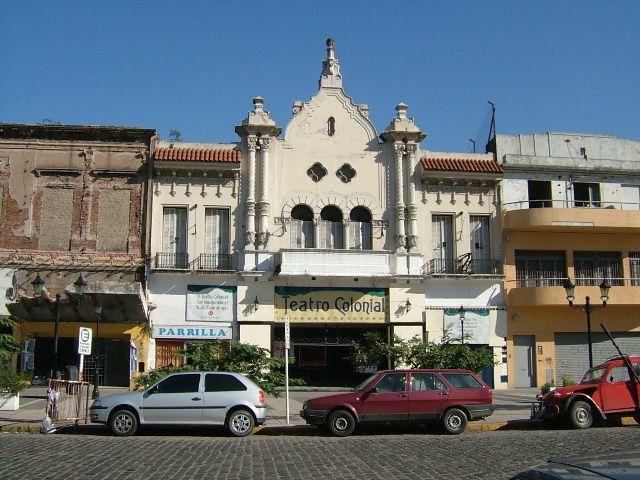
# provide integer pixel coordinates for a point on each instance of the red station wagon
(450, 397)
(607, 391)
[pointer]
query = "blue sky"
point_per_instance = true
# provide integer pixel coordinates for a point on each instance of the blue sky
(195, 65)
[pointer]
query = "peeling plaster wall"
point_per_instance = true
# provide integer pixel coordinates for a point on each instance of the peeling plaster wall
(113, 216)
(56, 218)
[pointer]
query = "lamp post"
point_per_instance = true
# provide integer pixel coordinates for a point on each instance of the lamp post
(461, 313)
(38, 288)
(96, 389)
(588, 307)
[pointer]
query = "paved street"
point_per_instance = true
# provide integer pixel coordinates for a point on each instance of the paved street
(420, 454)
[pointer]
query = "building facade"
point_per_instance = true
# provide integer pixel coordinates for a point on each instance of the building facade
(570, 211)
(326, 224)
(72, 215)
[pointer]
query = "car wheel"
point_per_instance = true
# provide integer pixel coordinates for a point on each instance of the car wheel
(637, 419)
(123, 423)
(581, 415)
(341, 423)
(454, 421)
(240, 423)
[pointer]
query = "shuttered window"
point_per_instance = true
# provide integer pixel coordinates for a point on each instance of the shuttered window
(442, 232)
(216, 231)
(174, 233)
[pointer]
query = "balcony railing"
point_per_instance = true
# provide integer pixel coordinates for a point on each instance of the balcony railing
(214, 262)
(171, 261)
(538, 279)
(463, 265)
(526, 204)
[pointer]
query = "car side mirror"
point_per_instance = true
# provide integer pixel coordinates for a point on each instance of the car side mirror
(373, 390)
(153, 390)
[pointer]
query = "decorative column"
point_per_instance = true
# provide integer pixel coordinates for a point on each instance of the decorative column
(412, 209)
(263, 201)
(87, 192)
(401, 238)
(250, 204)
(316, 232)
(345, 233)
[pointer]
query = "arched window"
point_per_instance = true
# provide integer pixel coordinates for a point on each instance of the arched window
(360, 229)
(330, 234)
(301, 227)
(331, 126)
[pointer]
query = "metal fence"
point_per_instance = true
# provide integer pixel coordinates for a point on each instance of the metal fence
(67, 401)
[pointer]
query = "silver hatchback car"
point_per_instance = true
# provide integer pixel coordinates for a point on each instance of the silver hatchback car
(186, 398)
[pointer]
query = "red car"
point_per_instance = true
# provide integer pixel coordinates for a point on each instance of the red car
(450, 397)
(607, 391)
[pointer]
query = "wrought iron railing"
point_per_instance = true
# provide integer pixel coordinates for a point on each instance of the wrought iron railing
(541, 203)
(212, 262)
(172, 260)
(463, 265)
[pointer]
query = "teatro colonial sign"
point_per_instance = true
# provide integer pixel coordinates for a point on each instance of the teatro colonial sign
(325, 304)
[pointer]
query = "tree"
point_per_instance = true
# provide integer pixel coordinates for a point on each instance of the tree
(250, 360)
(415, 353)
(7, 346)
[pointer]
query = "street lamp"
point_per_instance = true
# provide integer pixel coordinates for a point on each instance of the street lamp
(96, 389)
(588, 307)
(38, 289)
(461, 313)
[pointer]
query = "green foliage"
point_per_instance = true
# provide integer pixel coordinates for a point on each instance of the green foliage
(546, 388)
(414, 353)
(7, 346)
(10, 381)
(146, 379)
(568, 381)
(252, 361)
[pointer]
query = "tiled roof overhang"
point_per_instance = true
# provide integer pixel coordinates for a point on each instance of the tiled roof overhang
(461, 164)
(226, 155)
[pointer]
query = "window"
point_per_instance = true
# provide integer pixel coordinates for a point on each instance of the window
(592, 267)
(330, 228)
(331, 126)
(619, 374)
(316, 172)
(216, 239)
(169, 353)
(586, 194)
(480, 245)
(540, 268)
(442, 231)
(422, 382)
(360, 229)
(220, 382)
(539, 194)
(392, 382)
(181, 383)
(301, 227)
(634, 264)
(174, 238)
(462, 380)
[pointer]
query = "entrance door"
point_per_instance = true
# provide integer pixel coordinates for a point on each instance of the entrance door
(523, 346)
(618, 391)
(176, 399)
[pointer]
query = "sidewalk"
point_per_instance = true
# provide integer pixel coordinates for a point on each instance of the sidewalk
(512, 410)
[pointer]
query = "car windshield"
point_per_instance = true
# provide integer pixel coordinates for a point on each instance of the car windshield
(592, 375)
(364, 384)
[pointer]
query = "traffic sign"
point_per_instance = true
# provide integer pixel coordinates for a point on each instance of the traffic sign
(84, 341)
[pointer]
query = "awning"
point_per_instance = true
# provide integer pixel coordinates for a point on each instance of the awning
(122, 302)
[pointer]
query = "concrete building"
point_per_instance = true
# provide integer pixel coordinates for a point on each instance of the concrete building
(571, 210)
(73, 205)
(329, 225)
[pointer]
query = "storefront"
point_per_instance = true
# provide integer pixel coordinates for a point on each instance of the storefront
(188, 312)
(325, 321)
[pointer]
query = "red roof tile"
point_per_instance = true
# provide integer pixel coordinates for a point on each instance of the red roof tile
(461, 164)
(199, 154)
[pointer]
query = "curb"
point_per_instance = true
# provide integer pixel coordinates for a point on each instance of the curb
(20, 428)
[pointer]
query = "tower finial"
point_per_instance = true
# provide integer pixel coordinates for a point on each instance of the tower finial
(331, 77)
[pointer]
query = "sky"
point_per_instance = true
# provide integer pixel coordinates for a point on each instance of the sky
(566, 66)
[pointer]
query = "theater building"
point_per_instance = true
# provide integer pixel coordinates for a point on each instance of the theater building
(325, 222)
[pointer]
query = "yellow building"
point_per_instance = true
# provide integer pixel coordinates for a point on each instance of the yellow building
(570, 211)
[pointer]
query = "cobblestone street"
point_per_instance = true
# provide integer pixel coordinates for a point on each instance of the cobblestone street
(421, 454)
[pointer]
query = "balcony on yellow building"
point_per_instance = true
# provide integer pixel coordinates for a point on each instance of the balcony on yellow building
(571, 216)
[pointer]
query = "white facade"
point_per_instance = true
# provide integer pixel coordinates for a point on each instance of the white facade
(330, 225)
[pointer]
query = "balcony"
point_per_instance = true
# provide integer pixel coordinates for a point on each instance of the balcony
(530, 291)
(463, 265)
(347, 263)
(171, 261)
(570, 216)
(208, 262)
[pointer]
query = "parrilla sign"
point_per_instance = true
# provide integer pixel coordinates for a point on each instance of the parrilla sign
(324, 304)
